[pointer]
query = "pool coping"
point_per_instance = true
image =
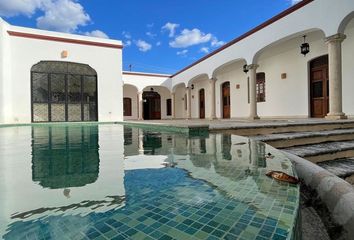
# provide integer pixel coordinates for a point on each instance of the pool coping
(335, 193)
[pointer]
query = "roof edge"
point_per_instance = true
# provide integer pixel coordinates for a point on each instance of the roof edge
(250, 32)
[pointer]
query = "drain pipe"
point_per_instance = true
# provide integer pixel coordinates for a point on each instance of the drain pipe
(335, 193)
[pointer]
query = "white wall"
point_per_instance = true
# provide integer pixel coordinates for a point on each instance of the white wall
(348, 70)
(203, 84)
(131, 92)
(180, 94)
(234, 74)
(288, 97)
(143, 80)
(25, 52)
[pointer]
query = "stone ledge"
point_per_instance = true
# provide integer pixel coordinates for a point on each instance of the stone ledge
(337, 194)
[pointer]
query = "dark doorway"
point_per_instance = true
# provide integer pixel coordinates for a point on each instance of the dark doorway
(226, 100)
(201, 104)
(319, 100)
(152, 105)
(127, 106)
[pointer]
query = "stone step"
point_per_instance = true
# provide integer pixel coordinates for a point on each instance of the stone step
(290, 139)
(273, 127)
(324, 151)
(342, 168)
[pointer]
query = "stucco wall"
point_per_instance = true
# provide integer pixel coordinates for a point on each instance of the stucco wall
(348, 70)
(25, 52)
(180, 94)
(195, 98)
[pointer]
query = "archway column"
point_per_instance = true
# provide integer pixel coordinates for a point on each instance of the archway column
(212, 83)
(334, 44)
(189, 105)
(253, 93)
(173, 96)
(140, 105)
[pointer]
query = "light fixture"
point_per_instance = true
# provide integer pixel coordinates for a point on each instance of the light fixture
(192, 86)
(245, 69)
(305, 47)
(151, 89)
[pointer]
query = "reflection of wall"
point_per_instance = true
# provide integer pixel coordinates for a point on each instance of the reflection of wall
(65, 157)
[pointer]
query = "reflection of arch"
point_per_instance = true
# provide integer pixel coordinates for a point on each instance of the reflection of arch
(319, 86)
(63, 92)
(225, 99)
(71, 159)
(345, 22)
(152, 105)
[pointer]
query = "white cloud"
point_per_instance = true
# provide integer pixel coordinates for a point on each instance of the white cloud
(158, 44)
(97, 33)
(150, 34)
(63, 16)
(127, 35)
(10, 8)
(189, 38)
(204, 50)
(171, 27)
(143, 46)
(127, 43)
(216, 43)
(182, 53)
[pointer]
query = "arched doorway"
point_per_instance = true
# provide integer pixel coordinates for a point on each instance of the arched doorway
(201, 103)
(152, 105)
(319, 88)
(225, 91)
(63, 92)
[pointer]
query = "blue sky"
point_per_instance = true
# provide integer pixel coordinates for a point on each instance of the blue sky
(161, 36)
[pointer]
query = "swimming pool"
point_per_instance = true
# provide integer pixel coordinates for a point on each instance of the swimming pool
(115, 182)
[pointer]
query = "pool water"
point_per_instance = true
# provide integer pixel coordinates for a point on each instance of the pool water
(115, 182)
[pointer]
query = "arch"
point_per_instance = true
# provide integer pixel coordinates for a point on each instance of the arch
(345, 22)
(225, 65)
(131, 86)
(297, 35)
(63, 92)
(225, 100)
(151, 105)
(197, 78)
(183, 85)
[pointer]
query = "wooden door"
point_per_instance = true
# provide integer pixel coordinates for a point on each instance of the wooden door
(226, 100)
(201, 104)
(152, 105)
(319, 91)
(127, 106)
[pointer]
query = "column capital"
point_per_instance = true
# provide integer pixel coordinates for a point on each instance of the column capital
(252, 66)
(213, 79)
(339, 37)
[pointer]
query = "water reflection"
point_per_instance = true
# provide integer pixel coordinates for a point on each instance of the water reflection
(81, 178)
(64, 157)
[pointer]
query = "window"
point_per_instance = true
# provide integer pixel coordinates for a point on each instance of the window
(260, 87)
(185, 102)
(127, 106)
(63, 92)
(169, 107)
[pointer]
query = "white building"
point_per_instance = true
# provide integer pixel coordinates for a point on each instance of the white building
(47, 76)
(54, 77)
(280, 82)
